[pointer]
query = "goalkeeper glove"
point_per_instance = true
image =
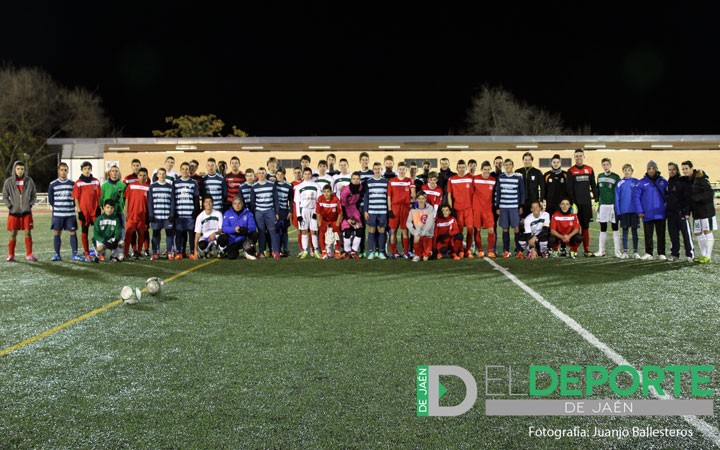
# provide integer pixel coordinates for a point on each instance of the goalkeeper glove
(243, 231)
(314, 216)
(300, 220)
(81, 216)
(390, 214)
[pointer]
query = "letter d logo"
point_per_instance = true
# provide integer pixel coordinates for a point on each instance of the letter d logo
(430, 405)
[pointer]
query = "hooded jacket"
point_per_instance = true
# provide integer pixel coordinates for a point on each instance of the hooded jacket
(703, 206)
(19, 203)
(649, 197)
(421, 222)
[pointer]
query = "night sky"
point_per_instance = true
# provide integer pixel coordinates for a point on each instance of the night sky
(312, 69)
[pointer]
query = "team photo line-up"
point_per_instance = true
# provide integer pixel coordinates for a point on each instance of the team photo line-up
(227, 212)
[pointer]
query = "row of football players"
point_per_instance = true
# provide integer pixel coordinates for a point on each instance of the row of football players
(461, 190)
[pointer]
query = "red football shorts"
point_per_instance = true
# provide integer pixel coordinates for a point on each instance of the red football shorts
(16, 223)
(401, 213)
(483, 219)
(465, 218)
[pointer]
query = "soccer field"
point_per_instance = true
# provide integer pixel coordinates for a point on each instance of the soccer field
(322, 354)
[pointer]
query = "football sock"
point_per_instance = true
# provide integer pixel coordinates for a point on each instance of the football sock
(371, 242)
(625, 238)
(603, 239)
(701, 243)
(314, 240)
(355, 244)
(636, 239)
(347, 245)
(145, 243)
(506, 241)
(156, 241)
(28, 246)
(56, 244)
(382, 240)
(616, 241)
(303, 242)
(543, 246)
(393, 247)
(86, 245)
(517, 241)
(406, 244)
(73, 244)
(300, 241)
(709, 242)
(478, 239)
(586, 239)
(491, 242)
(11, 247)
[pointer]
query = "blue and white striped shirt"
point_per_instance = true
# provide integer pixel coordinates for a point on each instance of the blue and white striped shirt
(186, 197)
(161, 204)
(216, 188)
(246, 192)
(510, 191)
(284, 195)
(375, 201)
(264, 196)
(61, 199)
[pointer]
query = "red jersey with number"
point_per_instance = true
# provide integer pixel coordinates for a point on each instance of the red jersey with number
(461, 188)
(136, 201)
(88, 196)
(564, 223)
(399, 191)
(328, 210)
(483, 195)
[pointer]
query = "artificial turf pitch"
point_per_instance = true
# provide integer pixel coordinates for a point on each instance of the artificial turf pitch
(322, 354)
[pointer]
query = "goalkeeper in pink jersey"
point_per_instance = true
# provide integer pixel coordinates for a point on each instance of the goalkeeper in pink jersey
(352, 225)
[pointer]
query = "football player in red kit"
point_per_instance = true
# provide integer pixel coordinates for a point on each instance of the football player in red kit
(448, 239)
(401, 192)
(460, 190)
(87, 193)
(433, 191)
(136, 204)
(329, 215)
(565, 228)
(483, 217)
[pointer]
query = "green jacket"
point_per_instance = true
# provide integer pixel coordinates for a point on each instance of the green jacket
(115, 191)
(107, 227)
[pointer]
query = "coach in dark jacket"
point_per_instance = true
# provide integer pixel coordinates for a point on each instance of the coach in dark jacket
(678, 206)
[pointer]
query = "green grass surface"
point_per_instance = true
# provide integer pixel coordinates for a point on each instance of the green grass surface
(322, 354)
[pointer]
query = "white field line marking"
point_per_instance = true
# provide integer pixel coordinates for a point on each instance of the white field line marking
(709, 431)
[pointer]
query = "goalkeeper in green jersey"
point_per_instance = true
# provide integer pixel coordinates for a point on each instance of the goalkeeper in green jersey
(107, 233)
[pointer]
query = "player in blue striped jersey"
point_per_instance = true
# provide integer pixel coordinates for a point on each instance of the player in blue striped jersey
(63, 212)
(161, 212)
(187, 206)
(246, 189)
(214, 185)
(264, 200)
(375, 210)
(509, 198)
(285, 206)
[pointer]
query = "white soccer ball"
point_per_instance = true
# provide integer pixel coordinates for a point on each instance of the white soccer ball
(130, 295)
(121, 256)
(154, 285)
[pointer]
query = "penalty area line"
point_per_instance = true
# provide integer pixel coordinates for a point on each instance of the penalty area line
(709, 431)
(88, 315)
